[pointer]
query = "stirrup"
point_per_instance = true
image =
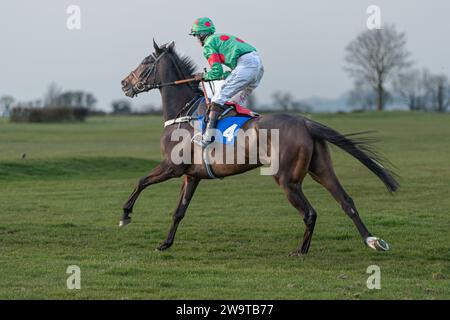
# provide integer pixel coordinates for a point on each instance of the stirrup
(198, 140)
(205, 143)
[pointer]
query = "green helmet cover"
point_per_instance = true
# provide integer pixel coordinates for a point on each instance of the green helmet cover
(203, 26)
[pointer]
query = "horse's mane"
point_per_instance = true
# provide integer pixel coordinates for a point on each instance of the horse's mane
(186, 63)
(187, 66)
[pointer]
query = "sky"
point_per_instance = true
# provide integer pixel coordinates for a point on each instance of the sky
(302, 43)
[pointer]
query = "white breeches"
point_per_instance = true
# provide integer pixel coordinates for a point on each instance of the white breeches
(242, 80)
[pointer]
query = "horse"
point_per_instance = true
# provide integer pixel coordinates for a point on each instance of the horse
(303, 150)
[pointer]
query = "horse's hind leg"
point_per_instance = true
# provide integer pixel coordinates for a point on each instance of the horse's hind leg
(321, 170)
(298, 200)
(292, 171)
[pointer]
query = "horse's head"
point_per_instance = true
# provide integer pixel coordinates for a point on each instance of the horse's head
(146, 76)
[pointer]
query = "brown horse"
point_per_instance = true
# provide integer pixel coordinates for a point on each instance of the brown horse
(302, 149)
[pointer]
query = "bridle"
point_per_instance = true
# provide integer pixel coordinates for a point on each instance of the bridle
(142, 83)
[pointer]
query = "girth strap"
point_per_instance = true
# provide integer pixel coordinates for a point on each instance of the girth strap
(208, 165)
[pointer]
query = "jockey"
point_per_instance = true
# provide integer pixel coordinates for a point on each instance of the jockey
(243, 60)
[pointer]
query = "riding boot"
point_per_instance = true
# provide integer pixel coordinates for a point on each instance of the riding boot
(211, 126)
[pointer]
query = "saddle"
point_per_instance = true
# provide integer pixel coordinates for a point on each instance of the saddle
(232, 109)
(229, 122)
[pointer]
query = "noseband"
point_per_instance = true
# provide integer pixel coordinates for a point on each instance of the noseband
(142, 81)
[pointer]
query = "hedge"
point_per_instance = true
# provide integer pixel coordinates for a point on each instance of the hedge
(48, 114)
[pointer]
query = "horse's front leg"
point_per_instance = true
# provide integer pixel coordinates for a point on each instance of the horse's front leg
(159, 174)
(186, 193)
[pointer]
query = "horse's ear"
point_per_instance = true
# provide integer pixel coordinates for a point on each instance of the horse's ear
(171, 46)
(157, 48)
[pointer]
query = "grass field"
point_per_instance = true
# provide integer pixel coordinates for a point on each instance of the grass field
(60, 206)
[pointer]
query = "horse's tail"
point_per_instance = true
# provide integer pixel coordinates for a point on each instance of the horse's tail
(359, 149)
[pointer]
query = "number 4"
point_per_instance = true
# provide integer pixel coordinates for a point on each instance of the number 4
(229, 133)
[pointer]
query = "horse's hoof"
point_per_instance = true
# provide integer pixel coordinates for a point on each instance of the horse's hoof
(124, 222)
(296, 253)
(377, 244)
(163, 247)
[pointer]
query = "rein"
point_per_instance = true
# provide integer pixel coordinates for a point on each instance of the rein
(164, 84)
(189, 105)
(142, 81)
(142, 84)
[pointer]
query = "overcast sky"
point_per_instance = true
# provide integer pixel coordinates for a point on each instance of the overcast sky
(301, 42)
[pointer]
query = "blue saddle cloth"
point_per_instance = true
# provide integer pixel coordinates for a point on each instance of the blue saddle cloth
(228, 126)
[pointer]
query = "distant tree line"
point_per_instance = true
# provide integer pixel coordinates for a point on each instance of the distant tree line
(285, 101)
(383, 73)
(56, 97)
(423, 91)
(124, 107)
(57, 106)
(377, 60)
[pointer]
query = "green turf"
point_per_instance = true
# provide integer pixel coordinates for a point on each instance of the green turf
(61, 204)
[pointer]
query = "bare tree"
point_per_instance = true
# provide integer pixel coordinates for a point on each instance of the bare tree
(361, 97)
(283, 99)
(301, 106)
(91, 100)
(52, 96)
(5, 105)
(438, 90)
(375, 56)
(411, 86)
(6, 101)
(121, 106)
(422, 90)
(73, 99)
(251, 101)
